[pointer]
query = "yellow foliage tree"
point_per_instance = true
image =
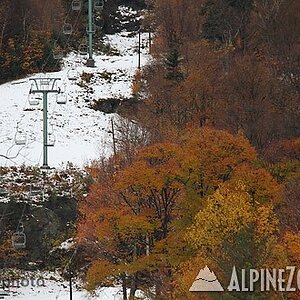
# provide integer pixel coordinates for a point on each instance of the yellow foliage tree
(181, 203)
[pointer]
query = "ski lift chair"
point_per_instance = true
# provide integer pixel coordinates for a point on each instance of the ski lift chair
(99, 4)
(20, 138)
(67, 28)
(35, 191)
(58, 53)
(83, 49)
(19, 239)
(51, 140)
(76, 5)
(61, 99)
(34, 100)
(72, 74)
(3, 192)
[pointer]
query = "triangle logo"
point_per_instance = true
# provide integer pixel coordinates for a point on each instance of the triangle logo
(206, 281)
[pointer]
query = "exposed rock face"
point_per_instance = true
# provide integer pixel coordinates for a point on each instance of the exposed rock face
(44, 226)
(45, 205)
(107, 105)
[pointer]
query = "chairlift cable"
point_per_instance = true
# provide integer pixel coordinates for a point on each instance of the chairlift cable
(7, 157)
(44, 65)
(41, 155)
(69, 37)
(61, 32)
(56, 40)
(30, 160)
(20, 119)
(46, 61)
(67, 265)
(20, 220)
(4, 212)
(13, 144)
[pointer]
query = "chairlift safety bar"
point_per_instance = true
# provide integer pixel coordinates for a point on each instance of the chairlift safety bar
(38, 82)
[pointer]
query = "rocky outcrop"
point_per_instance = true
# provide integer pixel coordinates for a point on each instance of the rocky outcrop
(45, 204)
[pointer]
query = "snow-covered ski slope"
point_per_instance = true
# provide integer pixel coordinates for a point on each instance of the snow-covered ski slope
(81, 133)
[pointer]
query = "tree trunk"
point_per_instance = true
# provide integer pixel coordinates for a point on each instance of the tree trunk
(133, 288)
(158, 286)
(147, 245)
(2, 35)
(124, 289)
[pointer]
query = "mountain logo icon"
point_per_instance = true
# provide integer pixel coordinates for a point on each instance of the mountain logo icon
(206, 281)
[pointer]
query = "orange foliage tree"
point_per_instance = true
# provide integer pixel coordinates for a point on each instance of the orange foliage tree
(138, 215)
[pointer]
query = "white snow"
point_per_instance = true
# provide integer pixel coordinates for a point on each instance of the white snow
(81, 133)
(69, 243)
(56, 288)
(126, 11)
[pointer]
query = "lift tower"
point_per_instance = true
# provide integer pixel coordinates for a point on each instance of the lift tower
(90, 30)
(45, 86)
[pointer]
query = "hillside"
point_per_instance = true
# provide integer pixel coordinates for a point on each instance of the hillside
(174, 163)
(81, 133)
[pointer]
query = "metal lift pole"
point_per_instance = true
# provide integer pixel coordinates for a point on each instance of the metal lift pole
(70, 285)
(90, 61)
(44, 86)
(139, 50)
(45, 130)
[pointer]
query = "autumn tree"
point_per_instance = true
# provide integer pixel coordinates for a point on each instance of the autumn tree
(275, 29)
(226, 21)
(139, 211)
(233, 230)
(177, 22)
(194, 193)
(252, 99)
(138, 221)
(24, 41)
(253, 91)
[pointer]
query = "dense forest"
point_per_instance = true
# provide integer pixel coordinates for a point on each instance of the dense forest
(25, 40)
(212, 176)
(209, 172)
(28, 39)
